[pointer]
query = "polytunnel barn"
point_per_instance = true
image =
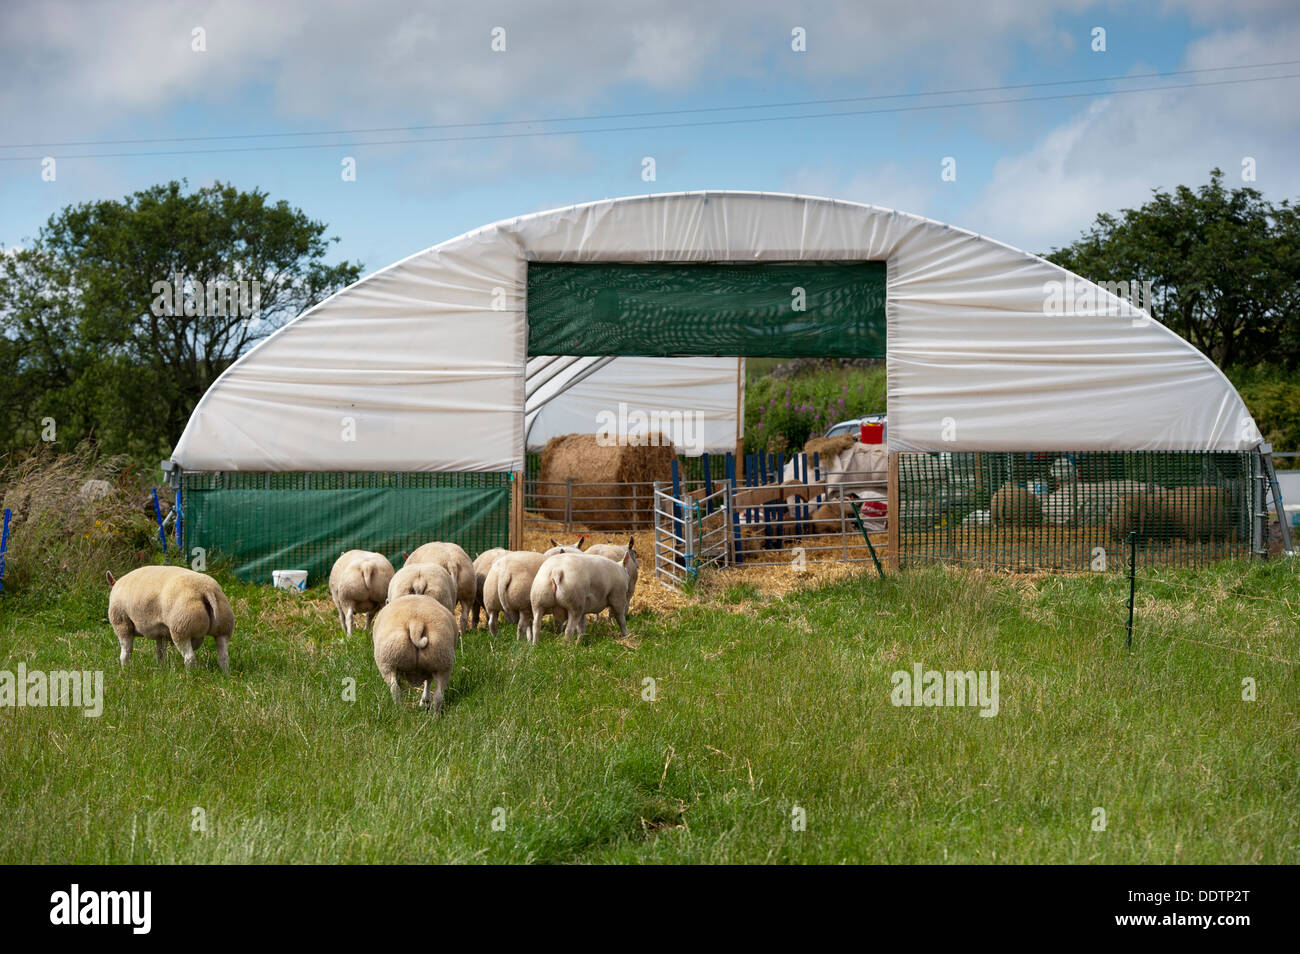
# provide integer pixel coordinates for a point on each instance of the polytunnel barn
(403, 408)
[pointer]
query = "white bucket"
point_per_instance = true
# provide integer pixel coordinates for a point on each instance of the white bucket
(295, 580)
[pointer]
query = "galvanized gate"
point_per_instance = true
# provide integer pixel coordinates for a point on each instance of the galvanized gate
(691, 532)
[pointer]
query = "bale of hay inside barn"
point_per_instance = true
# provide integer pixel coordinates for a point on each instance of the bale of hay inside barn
(611, 483)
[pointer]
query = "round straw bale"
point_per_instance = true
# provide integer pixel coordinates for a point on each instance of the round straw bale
(602, 473)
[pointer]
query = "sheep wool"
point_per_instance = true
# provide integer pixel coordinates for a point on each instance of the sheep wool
(415, 643)
(170, 604)
(452, 558)
(359, 584)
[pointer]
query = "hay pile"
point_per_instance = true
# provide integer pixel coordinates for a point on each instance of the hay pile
(829, 447)
(602, 499)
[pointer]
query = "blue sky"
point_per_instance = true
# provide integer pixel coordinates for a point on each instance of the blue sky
(1032, 174)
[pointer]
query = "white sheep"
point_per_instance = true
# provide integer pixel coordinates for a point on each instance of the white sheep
(424, 579)
(492, 601)
(620, 554)
(415, 642)
(576, 584)
(170, 603)
(557, 547)
(359, 584)
(452, 558)
(514, 581)
(482, 564)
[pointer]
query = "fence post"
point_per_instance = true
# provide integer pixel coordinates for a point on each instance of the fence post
(894, 516)
(679, 527)
(1132, 584)
(4, 545)
(568, 504)
(157, 515)
(731, 505)
(708, 483)
(180, 517)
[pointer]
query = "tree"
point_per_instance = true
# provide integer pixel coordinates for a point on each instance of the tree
(120, 314)
(1224, 268)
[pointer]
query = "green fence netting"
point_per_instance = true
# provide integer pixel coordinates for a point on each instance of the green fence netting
(768, 309)
(1076, 511)
(301, 521)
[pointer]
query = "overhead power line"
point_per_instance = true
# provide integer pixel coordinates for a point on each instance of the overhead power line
(747, 120)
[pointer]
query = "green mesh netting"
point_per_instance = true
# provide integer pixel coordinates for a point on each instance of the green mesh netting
(1075, 511)
(667, 310)
(266, 522)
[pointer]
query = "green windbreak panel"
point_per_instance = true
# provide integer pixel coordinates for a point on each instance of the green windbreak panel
(281, 529)
(772, 309)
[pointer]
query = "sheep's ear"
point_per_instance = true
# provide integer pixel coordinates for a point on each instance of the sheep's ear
(631, 543)
(109, 577)
(625, 556)
(553, 543)
(580, 539)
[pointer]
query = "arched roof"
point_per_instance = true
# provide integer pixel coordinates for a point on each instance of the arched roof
(422, 365)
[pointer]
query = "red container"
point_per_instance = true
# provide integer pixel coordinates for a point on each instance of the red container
(873, 433)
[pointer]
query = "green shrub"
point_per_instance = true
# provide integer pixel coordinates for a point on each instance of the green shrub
(781, 414)
(61, 537)
(1273, 397)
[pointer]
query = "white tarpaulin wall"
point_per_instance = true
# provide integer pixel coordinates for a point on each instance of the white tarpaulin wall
(427, 358)
(694, 401)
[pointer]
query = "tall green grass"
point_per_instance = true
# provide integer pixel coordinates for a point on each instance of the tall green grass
(761, 707)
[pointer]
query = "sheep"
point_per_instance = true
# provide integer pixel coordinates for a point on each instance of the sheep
(577, 584)
(1146, 513)
(424, 579)
(770, 506)
(492, 602)
(1015, 507)
(827, 517)
(170, 603)
(415, 641)
(514, 580)
(456, 562)
(612, 551)
(482, 563)
(1200, 513)
(359, 584)
(556, 547)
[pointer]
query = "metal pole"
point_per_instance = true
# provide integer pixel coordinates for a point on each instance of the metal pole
(568, 504)
(1132, 584)
(157, 515)
(4, 545)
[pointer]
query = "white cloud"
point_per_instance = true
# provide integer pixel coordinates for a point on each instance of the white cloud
(75, 67)
(1111, 154)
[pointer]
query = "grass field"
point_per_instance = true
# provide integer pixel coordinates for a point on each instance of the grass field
(764, 707)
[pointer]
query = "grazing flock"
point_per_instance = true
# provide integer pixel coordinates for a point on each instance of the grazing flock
(411, 612)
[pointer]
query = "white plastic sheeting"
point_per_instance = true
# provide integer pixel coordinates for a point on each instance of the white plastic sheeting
(693, 401)
(422, 366)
